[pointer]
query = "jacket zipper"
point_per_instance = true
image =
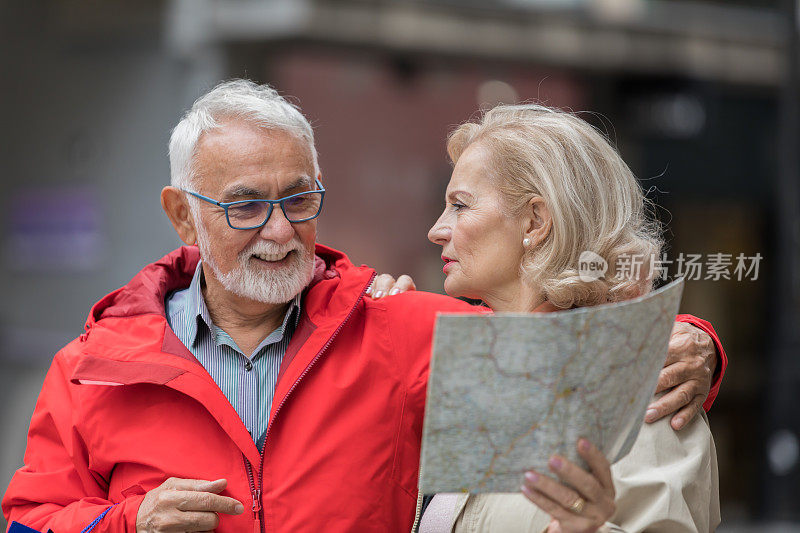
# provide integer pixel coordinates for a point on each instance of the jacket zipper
(255, 490)
(418, 513)
(256, 495)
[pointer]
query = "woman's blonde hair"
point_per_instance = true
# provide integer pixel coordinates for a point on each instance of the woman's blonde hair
(596, 203)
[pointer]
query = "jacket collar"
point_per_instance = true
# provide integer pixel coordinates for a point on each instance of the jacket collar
(129, 324)
(146, 292)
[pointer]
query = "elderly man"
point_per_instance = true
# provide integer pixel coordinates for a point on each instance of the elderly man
(257, 389)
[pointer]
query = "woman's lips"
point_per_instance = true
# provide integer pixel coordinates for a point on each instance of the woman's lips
(447, 263)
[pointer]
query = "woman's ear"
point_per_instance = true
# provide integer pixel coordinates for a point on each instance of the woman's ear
(537, 220)
(176, 206)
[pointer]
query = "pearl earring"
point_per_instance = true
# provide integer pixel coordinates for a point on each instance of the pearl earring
(526, 242)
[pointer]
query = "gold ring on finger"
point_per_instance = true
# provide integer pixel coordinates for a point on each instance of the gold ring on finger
(578, 505)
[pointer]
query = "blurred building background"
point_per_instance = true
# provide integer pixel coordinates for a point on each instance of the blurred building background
(700, 97)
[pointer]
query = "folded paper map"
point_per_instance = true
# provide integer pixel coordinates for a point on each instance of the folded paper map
(507, 391)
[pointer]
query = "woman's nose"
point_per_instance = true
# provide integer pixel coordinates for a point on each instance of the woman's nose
(439, 233)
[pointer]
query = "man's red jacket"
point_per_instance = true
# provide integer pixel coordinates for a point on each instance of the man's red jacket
(126, 406)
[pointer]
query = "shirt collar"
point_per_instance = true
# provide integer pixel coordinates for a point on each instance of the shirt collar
(196, 306)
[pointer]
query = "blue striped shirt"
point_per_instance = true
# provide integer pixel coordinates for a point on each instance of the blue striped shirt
(248, 383)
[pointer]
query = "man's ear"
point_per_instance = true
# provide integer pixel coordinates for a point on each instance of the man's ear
(176, 206)
(537, 220)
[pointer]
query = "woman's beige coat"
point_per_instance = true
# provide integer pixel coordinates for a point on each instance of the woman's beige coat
(667, 483)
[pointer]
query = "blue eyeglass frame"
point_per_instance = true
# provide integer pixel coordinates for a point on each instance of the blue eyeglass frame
(225, 205)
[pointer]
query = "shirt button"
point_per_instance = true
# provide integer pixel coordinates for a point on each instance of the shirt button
(248, 366)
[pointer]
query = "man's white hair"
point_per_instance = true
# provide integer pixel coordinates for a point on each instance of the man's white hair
(260, 105)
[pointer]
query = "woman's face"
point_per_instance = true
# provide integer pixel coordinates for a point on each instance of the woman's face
(481, 244)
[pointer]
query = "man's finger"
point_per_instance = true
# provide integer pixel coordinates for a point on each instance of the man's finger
(202, 485)
(675, 399)
(197, 521)
(686, 414)
(206, 501)
(673, 375)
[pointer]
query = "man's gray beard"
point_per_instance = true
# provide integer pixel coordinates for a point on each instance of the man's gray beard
(277, 287)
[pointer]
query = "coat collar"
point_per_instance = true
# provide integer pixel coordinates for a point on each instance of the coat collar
(146, 292)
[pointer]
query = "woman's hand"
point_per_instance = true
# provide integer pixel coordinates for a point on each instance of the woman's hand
(386, 285)
(586, 500)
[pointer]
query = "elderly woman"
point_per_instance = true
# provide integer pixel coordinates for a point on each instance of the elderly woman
(532, 188)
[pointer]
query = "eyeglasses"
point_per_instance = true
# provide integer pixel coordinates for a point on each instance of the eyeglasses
(251, 214)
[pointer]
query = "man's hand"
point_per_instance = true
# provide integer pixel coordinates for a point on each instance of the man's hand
(185, 505)
(385, 285)
(688, 372)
